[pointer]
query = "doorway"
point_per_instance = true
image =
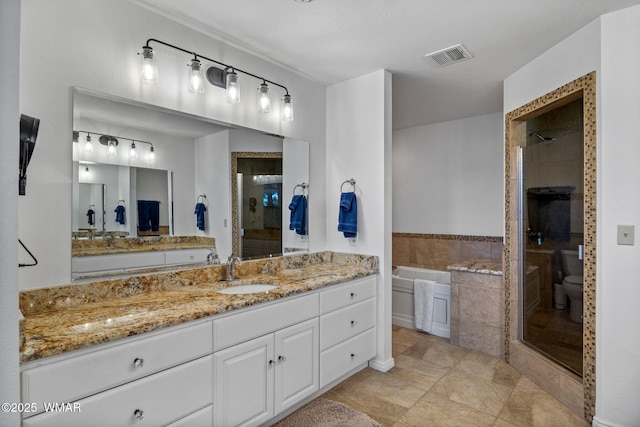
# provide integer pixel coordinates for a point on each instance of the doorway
(555, 378)
(257, 204)
(552, 204)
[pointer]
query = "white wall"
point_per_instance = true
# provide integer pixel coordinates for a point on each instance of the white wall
(93, 44)
(448, 177)
(212, 160)
(604, 46)
(295, 170)
(359, 147)
(617, 340)
(9, 136)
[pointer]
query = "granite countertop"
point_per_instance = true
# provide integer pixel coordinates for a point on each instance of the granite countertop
(62, 319)
(106, 246)
(491, 266)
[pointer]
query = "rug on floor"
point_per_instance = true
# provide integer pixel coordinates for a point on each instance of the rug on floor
(327, 413)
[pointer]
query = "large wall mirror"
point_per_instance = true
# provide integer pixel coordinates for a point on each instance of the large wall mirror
(192, 164)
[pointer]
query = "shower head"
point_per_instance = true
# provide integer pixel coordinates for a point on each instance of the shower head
(547, 139)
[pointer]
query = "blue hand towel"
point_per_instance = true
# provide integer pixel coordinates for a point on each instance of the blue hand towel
(119, 214)
(199, 211)
(298, 208)
(348, 214)
(148, 215)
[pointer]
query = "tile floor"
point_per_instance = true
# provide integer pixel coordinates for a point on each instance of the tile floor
(437, 384)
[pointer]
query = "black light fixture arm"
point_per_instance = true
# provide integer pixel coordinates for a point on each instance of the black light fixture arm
(226, 67)
(113, 136)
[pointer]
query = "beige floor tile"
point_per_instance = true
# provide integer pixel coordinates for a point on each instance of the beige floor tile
(529, 405)
(439, 412)
(384, 412)
(487, 367)
(474, 392)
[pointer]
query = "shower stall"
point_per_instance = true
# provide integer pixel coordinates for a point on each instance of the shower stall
(551, 198)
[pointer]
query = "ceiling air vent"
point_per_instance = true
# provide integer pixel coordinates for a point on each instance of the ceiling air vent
(448, 56)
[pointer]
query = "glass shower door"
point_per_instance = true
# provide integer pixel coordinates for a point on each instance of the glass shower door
(551, 212)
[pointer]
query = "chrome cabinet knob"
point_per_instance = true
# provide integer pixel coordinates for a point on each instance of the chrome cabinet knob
(353, 323)
(281, 358)
(138, 414)
(138, 362)
(352, 294)
(271, 363)
(353, 355)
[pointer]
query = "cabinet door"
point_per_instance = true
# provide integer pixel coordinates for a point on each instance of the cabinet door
(243, 390)
(297, 369)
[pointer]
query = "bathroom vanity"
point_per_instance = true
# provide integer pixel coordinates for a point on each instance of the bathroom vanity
(198, 356)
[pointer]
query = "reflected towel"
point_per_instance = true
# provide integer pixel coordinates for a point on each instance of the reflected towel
(120, 214)
(199, 211)
(298, 220)
(423, 295)
(148, 215)
(348, 214)
(90, 216)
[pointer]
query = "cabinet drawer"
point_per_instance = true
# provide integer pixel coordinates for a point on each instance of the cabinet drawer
(347, 322)
(346, 356)
(80, 376)
(202, 418)
(161, 399)
(255, 322)
(347, 294)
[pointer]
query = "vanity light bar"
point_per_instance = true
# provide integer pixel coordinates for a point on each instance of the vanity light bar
(224, 78)
(111, 141)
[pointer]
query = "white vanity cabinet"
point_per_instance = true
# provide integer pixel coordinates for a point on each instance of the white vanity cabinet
(258, 376)
(258, 379)
(347, 328)
(159, 378)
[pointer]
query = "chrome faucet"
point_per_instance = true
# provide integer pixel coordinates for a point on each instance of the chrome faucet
(231, 267)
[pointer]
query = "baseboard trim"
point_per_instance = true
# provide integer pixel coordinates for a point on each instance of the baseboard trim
(599, 423)
(383, 366)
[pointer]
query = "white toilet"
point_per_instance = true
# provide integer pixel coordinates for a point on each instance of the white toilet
(572, 283)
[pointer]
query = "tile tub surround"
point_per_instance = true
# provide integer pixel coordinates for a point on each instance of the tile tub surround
(138, 244)
(62, 319)
(477, 305)
(437, 251)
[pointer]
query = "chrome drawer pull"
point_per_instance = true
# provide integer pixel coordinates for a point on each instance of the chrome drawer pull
(138, 362)
(138, 414)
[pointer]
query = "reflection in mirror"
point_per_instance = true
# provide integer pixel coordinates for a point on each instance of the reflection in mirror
(258, 192)
(192, 158)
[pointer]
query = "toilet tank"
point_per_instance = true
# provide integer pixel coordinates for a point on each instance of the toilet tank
(571, 265)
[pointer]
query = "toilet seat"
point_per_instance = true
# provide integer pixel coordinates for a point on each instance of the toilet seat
(574, 280)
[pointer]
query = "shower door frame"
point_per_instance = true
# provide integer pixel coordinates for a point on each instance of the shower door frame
(516, 352)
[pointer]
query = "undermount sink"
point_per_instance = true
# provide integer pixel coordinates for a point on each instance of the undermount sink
(247, 289)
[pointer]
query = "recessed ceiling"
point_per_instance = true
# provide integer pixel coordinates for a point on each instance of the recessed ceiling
(330, 41)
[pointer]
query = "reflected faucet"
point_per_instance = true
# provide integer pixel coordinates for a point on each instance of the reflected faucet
(231, 267)
(212, 256)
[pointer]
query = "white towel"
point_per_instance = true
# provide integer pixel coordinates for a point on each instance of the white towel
(423, 294)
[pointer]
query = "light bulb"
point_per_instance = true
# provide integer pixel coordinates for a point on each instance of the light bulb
(196, 80)
(233, 87)
(148, 66)
(88, 145)
(287, 109)
(132, 152)
(111, 147)
(152, 154)
(264, 103)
